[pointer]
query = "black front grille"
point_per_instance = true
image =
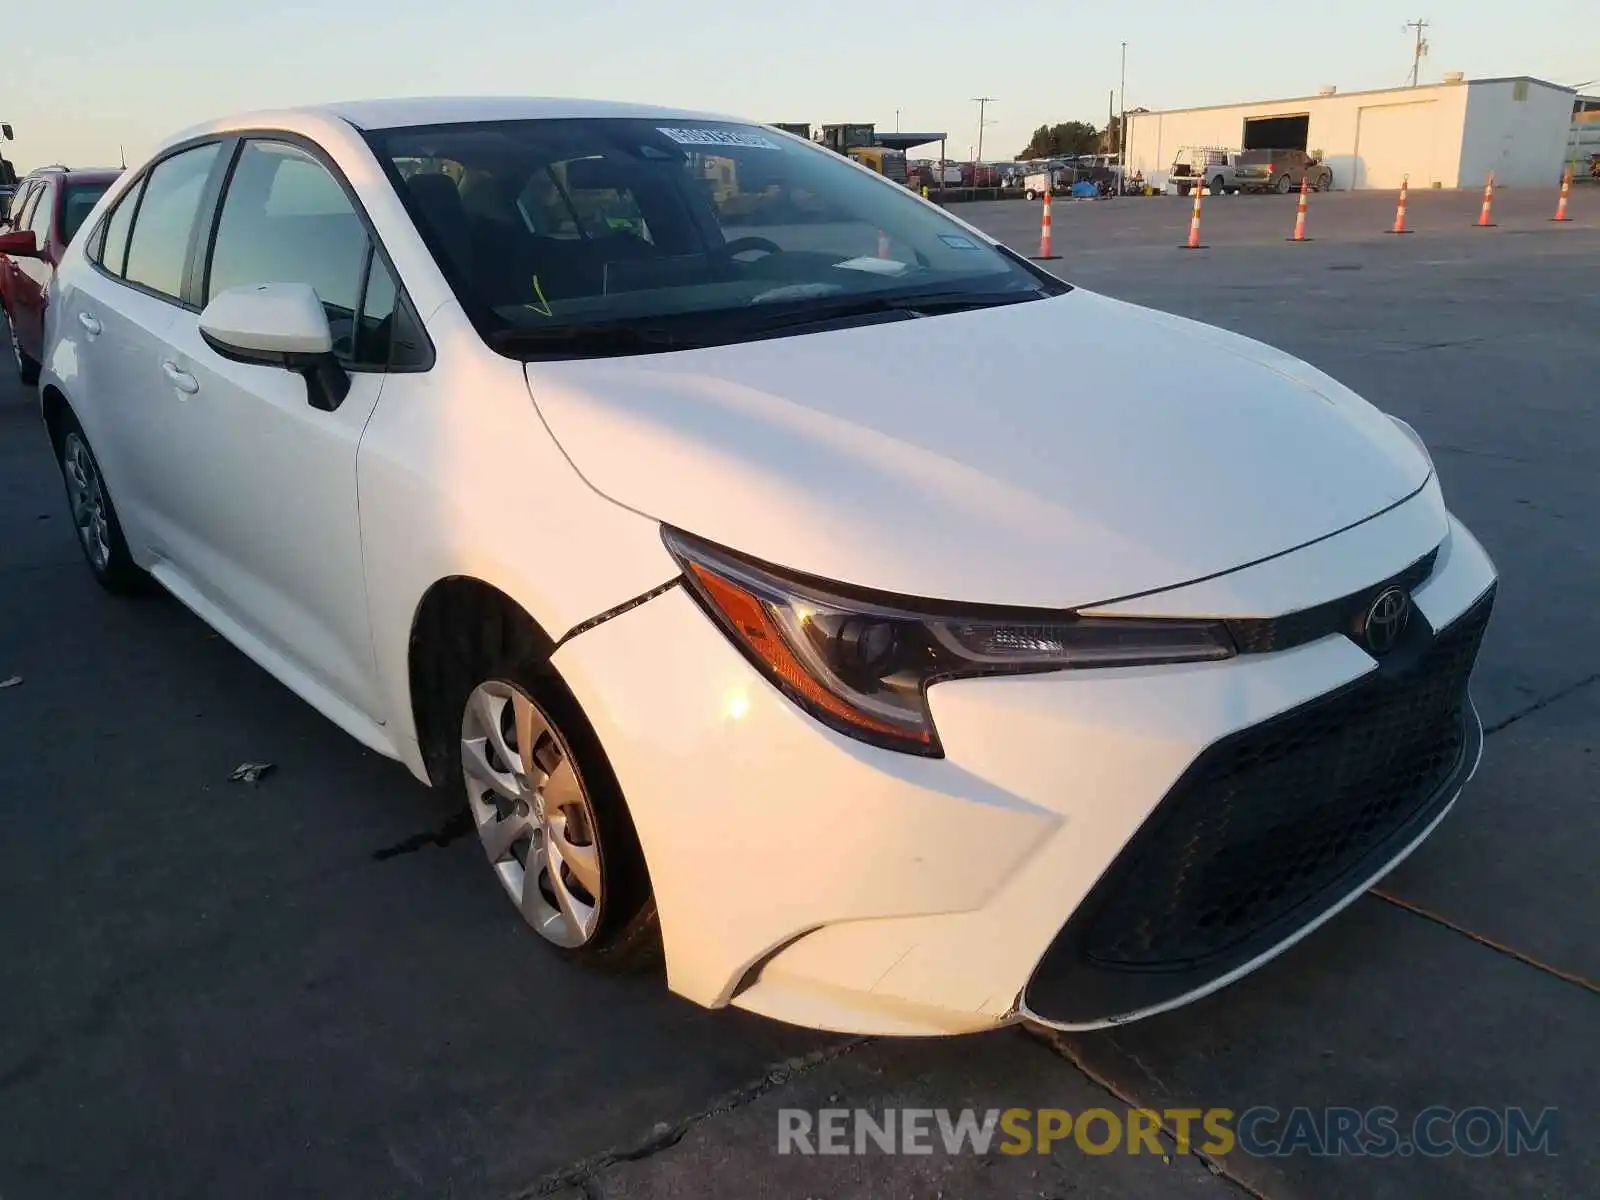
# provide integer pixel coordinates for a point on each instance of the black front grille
(1269, 827)
(1345, 615)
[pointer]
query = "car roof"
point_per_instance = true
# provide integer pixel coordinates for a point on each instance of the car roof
(451, 110)
(76, 174)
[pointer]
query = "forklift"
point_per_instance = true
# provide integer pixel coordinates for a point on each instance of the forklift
(860, 142)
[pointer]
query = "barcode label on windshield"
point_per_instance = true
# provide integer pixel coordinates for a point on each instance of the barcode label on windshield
(717, 137)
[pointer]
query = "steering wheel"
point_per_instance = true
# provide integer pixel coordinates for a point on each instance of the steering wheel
(740, 245)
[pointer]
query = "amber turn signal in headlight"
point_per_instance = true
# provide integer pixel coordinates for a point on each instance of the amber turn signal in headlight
(862, 663)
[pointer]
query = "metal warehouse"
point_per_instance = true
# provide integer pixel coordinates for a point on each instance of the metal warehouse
(1449, 134)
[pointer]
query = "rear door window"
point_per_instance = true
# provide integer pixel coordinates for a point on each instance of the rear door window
(159, 247)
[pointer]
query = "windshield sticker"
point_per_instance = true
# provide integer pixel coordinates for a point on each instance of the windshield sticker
(717, 137)
(956, 242)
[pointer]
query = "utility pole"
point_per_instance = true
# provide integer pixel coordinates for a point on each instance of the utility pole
(1122, 121)
(897, 120)
(983, 103)
(1422, 48)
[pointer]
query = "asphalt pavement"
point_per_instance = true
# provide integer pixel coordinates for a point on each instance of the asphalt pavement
(310, 986)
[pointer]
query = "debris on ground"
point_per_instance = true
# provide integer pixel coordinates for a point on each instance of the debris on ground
(250, 772)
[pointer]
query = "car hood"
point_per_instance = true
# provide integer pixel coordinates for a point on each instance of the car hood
(1059, 452)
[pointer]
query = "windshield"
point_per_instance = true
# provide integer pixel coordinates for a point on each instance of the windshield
(77, 204)
(559, 235)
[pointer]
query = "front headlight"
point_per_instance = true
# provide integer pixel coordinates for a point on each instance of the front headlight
(862, 663)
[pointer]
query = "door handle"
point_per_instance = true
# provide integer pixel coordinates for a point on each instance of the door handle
(89, 323)
(180, 379)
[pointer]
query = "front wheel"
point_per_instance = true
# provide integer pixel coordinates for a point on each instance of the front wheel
(552, 821)
(1285, 185)
(1325, 182)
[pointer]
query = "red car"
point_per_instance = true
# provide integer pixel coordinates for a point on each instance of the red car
(46, 211)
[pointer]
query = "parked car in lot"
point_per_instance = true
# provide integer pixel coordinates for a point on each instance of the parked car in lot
(1212, 166)
(874, 707)
(49, 207)
(1281, 171)
(7, 190)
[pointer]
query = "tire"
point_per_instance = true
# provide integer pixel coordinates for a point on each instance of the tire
(94, 516)
(1325, 181)
(1216, 186)
(1284, 185)
(27, 369)
(592, 901)
(1030, 194)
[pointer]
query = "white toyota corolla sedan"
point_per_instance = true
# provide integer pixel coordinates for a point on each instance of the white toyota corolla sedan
(702, 505)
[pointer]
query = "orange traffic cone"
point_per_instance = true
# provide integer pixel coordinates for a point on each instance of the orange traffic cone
(1300, 214)
(1400, 209)
(1566, 189)
(1046, 251)
(1194, 223)
(1488, 204)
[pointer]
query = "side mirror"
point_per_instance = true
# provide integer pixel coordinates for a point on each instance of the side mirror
(21, 244)
(278, 325)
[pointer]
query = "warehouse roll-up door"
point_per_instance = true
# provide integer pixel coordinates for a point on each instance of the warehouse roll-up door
(1394, 141)
(1276, 133)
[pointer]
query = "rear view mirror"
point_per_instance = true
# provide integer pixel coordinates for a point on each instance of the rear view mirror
(596, 175)
(21, 244)
(6, 130)
(278, 325)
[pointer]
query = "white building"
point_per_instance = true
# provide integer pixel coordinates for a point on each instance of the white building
(1449, 134)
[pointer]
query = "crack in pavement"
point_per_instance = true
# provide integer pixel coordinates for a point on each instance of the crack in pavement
(1546, 702)
(455, 828)
(1057, 1042)
(1499, 947)
(581, 1174)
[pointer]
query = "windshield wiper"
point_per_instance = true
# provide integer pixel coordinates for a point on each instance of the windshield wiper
(588, 341)
(923, 304)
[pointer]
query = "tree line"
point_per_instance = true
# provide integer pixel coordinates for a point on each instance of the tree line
(1070, 138)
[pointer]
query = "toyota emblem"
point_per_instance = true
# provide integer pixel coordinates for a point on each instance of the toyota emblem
(1386, 620)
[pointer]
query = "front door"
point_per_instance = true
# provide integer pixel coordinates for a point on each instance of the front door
(263, 496)
(31, 280)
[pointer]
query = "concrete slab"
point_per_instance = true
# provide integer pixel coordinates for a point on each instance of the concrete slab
(736, 1155)
(1379, 1009)
(1516, 861)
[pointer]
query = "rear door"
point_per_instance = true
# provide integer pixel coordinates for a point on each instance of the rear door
(263, 514)
(116, 316)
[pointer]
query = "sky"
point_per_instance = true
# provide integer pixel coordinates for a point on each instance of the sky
(130, 74)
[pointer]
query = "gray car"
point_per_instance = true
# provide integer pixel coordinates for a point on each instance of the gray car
(1281, 171)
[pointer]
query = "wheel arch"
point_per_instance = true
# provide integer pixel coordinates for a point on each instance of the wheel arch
(54, 408)
(460, 622)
